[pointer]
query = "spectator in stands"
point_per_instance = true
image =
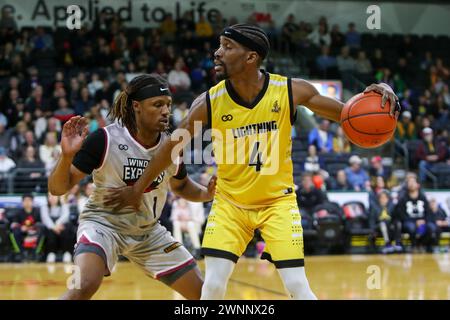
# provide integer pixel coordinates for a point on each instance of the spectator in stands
(186, 23)
(340, 183)
(178, 78)
(337, 39)
(381, 218)
(105, 93)
(429, 152)
(440, 220)
(346, 64)
(356, 176)
(352, 37)
(406, 129)
(363, 65)
(312, 163)
(218, 24)
(443, 114)
(46, 150)
(203, 28)
(180, 112)
(308, 196)
(55, 216)
(64, 111)
(42, 41)
(377, 169)
(29, 141)
(320, 37)
(5, 138)
(378, 61)
(321, 137)
(14, 108)
(31, 180)
(37, 100)
(6, 165)
(340, 142)
(26, 229)
(326, 64)
(7, 20)
(168, 28)
(95, 84)
(414, 212)
(17, 139)
(188, 217)
(287, 32)
(84, 103)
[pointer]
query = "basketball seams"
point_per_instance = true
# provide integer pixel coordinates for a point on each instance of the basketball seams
(369, 134)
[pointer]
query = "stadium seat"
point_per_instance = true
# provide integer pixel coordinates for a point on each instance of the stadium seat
(442, 173)
(357, 227)
(329, 225)
(412, 147)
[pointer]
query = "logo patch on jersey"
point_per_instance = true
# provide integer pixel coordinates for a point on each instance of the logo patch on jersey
(275, 107)
(123, 147)
(134, 169)
(172, 247)
(227, 117)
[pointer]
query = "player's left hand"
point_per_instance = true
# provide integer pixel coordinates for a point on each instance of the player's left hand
(387, 94)
(119, 198)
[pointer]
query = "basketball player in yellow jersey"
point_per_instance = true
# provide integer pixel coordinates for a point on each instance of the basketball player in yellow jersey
(253, 109)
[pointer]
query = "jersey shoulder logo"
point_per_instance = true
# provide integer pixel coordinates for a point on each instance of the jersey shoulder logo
(227, 117)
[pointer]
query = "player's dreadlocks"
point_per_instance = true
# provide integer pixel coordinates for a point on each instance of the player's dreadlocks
(122, 108)
(255, 33)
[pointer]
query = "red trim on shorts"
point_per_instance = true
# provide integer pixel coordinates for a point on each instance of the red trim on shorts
(181, 266)
(85, 240)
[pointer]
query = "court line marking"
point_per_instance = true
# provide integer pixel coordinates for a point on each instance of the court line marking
(258, 287)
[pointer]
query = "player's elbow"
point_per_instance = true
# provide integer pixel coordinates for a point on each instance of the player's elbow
(55, 188)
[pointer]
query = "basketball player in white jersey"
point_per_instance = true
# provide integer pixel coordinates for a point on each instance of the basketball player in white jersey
(116, 156)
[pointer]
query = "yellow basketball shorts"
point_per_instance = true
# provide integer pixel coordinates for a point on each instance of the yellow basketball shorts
(229, 230)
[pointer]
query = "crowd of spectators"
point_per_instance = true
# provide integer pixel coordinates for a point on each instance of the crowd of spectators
(48, 76)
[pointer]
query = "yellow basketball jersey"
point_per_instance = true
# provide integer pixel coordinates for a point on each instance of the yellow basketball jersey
(252, 143)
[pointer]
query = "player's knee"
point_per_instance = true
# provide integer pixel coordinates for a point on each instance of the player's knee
(214, 288)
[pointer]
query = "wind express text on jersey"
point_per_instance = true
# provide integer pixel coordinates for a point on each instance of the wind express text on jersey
(134, 169)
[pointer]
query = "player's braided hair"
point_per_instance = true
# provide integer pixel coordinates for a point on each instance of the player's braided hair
(122, 108)
(255, 33)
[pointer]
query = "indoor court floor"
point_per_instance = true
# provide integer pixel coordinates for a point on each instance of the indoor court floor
(418, 276)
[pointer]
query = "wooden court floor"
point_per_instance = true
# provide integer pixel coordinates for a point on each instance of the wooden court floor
(418, 276)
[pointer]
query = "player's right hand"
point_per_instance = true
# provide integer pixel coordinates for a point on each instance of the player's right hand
(73, 134)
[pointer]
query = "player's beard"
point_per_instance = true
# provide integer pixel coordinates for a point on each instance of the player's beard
(224, 74)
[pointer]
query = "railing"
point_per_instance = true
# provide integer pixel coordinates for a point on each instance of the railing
(22, 180)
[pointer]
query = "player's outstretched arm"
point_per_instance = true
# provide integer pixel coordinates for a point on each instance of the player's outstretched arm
(64, 176)
(304, 93)
(193, 191)
(131, 196)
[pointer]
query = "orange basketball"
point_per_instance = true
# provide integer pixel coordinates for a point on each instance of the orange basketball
(365, 123)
